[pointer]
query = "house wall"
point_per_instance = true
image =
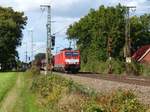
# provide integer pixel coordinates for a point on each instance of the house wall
(146, 59)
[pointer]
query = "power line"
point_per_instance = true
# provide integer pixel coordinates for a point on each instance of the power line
(38, 48)
(59, 31)
(62, 29)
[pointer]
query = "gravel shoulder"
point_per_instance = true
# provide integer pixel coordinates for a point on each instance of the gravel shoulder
(105, 86)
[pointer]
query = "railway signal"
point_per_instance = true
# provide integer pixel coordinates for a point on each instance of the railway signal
(53, 40)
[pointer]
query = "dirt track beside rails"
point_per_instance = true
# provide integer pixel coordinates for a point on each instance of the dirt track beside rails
(102, 84)
(138, 80)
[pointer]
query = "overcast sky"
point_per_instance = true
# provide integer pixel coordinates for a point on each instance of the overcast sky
(64, 13)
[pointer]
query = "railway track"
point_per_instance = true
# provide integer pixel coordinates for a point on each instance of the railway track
(135, 80)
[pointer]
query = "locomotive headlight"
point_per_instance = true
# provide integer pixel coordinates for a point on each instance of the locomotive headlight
(72, 61)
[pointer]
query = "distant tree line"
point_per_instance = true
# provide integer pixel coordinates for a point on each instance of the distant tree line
(93, 31)
(11, 25)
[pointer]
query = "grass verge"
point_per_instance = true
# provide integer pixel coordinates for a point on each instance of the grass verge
(7, 81)
(26, 102)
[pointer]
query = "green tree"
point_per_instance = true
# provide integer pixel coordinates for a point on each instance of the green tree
(11, 25)
(140, 31)
(93, 30)
(40, 56)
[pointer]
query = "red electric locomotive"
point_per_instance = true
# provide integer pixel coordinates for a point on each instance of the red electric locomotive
(67, 60)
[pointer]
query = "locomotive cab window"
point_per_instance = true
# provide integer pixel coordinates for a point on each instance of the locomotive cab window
(75, 54)
(68, 54)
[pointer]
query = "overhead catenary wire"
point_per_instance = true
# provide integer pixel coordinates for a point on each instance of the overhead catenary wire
(36, 23)
(62, 29)
(41, 47)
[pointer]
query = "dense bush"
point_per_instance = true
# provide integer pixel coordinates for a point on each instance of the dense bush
(32, 72)
(116, 101)
(118, 67)
(46, 85)
(92, 106)
(35, 70)
(145, 68)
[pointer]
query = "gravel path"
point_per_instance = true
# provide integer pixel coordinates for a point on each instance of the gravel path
(101, 85)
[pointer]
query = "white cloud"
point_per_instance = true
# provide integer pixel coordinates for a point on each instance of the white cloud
(71, 8)
(24, 5)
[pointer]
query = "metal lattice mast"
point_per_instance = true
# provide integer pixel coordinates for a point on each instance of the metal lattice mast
(127, 52)
(48, 26)
(31, 34)
(127, 35)
(32, 45)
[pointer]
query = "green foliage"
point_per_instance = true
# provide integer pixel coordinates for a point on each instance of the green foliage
(120, 101)
(35, 70)
(40, 56)
(51, 89)
(77, 88)
(140, 31)
(46, 85)
(92, 106)
(136, 68)
(58, 94)
(93, 30)
(7, 80)
(118, 67)
(145, 69)
(11, 26)
(26, 101)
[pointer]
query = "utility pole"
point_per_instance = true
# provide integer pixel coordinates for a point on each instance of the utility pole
(48, 49)
(110, 40)
(70, 44)
(127, 50)
(26, 53)
(31, 32)
(32, 45)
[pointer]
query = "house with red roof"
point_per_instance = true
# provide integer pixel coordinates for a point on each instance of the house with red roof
(142, 55)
